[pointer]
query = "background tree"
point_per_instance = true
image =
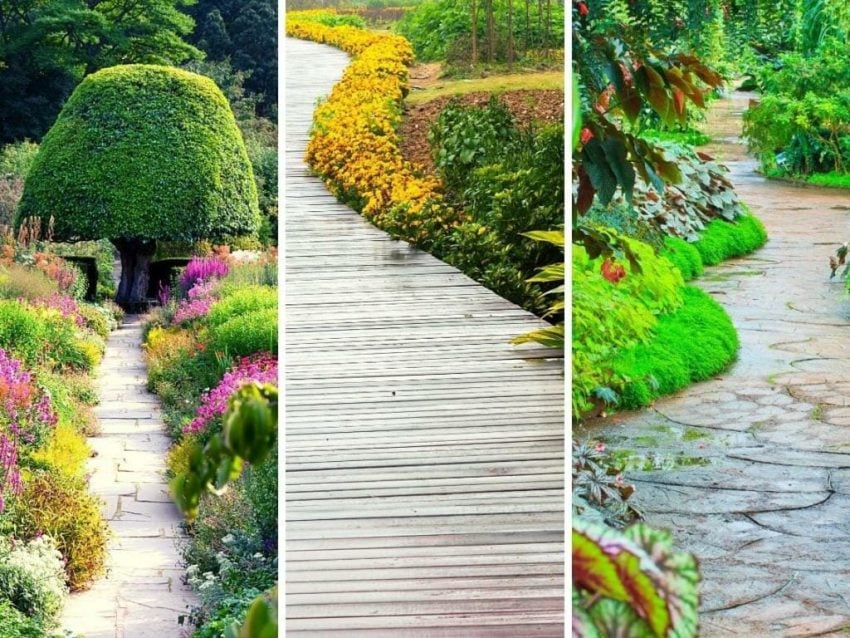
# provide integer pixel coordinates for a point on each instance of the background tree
(47, 47)
(142, 153)
(245, 33)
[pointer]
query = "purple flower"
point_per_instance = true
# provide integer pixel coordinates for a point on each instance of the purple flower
(202, 269)
(26, 415)
(261, 367)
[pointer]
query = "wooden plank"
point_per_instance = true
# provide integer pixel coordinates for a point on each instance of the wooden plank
(425, 453)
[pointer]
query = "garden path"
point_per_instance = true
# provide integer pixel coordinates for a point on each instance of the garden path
(752, 468)
(424, 453)
(142, 595)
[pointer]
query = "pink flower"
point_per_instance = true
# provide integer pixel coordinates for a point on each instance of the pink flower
(261, 367)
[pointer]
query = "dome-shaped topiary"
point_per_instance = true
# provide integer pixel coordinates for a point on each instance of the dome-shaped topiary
(141, 153)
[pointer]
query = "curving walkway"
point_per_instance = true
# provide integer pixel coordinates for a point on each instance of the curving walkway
(424, 454)
(762, 491)
(143, 593)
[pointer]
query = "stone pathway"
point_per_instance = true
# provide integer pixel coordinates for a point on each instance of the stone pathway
(753, 467)
(142, 595)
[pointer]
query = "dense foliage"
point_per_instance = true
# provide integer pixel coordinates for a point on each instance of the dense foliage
(245, 34)
(142, 153)
(232, 553)
(46, 48)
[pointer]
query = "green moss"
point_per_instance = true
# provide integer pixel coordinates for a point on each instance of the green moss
(691, 344)
(684, 256)
(143, 152)
(722, 240)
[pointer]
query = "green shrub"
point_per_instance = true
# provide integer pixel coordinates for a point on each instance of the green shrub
(690, 344)
(16, 159)
(62, 508)
(32, 578)
(684, 256)
(16, 624)
(723, 240)
(237, 302)
(261, 490)
(246, 334)
(609, 317)
(218, 517)
(467, 137)
(43, 337)
(197, 180)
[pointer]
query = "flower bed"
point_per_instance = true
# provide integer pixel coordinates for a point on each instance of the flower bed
(355, 146)
(217, 334)
(52, 536)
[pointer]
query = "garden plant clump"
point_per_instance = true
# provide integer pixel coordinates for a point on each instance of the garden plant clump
(52, 536)
(215, 335)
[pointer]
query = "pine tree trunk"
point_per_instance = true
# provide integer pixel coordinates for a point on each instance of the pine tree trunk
(510, 35)
(474, 32)
(136, 257)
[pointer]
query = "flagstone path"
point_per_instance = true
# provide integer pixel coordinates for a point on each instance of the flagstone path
(142, 594)
(761, 491)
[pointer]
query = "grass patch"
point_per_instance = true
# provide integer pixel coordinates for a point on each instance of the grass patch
(546, 80)
(691, 137)
(831, 180)
(691, 344)
(721, 240)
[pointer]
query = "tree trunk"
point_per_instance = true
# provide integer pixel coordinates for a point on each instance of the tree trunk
(474, 32)
(136, 256)
(491, 35)
(510, 35)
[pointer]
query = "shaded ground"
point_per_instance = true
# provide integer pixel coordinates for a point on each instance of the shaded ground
(527, 106)
(754, 466)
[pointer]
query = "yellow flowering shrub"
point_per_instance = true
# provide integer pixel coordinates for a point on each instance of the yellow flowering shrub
(355, 145)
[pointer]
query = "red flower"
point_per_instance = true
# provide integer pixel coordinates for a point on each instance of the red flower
(612, 271)
(586, 135)
(582, 9)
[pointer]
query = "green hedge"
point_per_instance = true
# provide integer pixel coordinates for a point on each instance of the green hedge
(691, 344)
(143, 151)
(721, 240)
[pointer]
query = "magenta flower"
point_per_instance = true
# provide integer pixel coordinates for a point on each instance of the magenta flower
(26, 415)
(202, 269)
(261, 367)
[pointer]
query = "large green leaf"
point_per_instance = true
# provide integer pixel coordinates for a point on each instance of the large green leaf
(636, 582)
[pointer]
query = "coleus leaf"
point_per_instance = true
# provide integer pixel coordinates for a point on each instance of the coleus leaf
(638, 568)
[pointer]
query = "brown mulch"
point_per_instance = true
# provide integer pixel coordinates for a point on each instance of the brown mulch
(526, 105)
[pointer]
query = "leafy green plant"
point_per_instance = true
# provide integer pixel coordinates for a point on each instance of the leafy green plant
(53, 505)
(32, 578)
(246, 334)
(553, 336)
(599, 488)
(673, 358)
(632, 583)
(610, 317)
(239, 301)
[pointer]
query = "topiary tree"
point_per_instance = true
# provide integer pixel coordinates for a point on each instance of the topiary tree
(142, 153)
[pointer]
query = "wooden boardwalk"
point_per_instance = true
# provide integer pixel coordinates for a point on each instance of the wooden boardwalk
(424, 453)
